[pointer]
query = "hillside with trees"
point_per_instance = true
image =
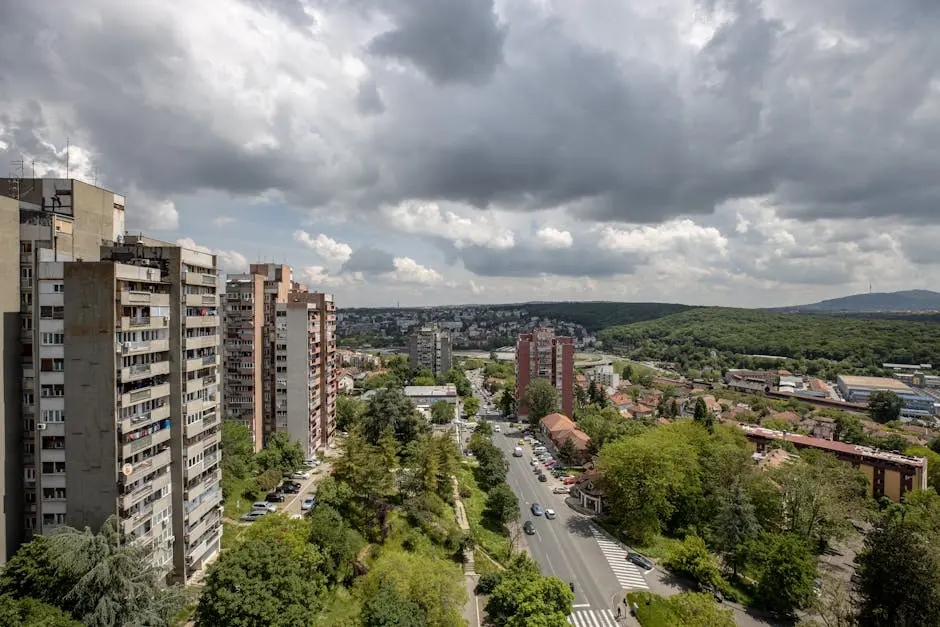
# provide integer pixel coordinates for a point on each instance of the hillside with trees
(596, 315)
(820, 344)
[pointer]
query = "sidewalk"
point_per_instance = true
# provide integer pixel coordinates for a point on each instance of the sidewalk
(471, 611)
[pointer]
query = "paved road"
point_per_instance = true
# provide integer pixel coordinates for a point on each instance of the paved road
(567, 547)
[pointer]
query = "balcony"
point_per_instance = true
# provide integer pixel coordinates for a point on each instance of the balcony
(202, 300)
(202, 321)
(135, 496)
(200, 362)
(134, 446)
(145, 322)
(140, 371)
(211, 500)
(147, 466)
(200, 528)
(146, 346)
(204, 341)
(136, 297)
(154, 392)
(136, 422)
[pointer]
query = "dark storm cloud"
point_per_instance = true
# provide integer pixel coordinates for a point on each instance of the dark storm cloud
(449, 40)
(369, 260)
(528, 114)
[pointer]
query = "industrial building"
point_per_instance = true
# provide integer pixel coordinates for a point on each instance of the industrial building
(858, 389)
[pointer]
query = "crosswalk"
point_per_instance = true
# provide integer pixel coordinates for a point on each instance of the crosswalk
(628, 574)
(592, 618)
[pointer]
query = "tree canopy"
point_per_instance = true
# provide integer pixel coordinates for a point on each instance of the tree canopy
(541, 399)
(885, 406)
(524, 597)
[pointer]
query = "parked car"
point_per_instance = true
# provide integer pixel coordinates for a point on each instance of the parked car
(307, 504)
(537, 509)
(264, 506)
(534, 462)
(551, 464)
(529, 528)
(313, 462)
(300, 475)
(561, 490)
(543, 478)
(274, 497)
(550, 514)
(568, 480)
(290, 488)
(640, 560)
(254, 515)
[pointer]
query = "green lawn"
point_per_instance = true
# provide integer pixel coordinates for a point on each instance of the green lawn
(658, 548)
(652, 610)
(237, 504)
(491, 540)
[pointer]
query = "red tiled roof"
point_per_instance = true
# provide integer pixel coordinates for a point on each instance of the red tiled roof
(557, 422)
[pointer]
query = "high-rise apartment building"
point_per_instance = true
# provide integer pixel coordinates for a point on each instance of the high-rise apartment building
(280, 354)
(71, 220)
(143, 431)
(430, 347)
(542, 355)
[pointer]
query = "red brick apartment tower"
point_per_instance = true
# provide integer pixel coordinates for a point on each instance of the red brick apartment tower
(541, 355)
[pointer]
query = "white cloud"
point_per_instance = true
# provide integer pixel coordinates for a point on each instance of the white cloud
(476, 288)
(230, 261)
(551, 237)
(326, 247)
(426, 218)
(407, 270)
(223, 221)
(670, 236)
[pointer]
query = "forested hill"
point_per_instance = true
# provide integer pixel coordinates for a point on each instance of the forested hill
(859, 342)
(596, 315)
(909, 300)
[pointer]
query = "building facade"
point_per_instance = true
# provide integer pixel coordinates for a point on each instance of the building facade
(143, 435)
(430, 347)
(280, 357)
(70, 219)
(543, 355)
(917, 405)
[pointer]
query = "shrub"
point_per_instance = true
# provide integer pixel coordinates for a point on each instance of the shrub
(692, 559)
(488, 583)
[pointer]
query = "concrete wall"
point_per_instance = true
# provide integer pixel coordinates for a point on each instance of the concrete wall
(298, 376)
(91, 434)
(11, 424)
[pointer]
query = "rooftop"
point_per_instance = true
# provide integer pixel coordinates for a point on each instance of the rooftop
(431, 390)
(874, 383)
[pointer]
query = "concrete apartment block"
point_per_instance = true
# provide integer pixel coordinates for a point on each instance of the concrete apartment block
(430, 347)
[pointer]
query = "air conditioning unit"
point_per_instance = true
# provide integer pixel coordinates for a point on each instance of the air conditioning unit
(41, 426)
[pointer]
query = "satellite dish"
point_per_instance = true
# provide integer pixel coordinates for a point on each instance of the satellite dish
(126, 470)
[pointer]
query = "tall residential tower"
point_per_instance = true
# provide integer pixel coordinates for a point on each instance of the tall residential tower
(430, 347)
(542, 355)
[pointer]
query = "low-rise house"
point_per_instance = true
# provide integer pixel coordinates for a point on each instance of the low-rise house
(587, 492)
(558, 429)
(427, 395)
(712, 405)
(345, 383)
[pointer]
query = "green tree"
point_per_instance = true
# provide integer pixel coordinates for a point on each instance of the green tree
(524, 597)
(259, 582)
(29, 612)
(388, 608)
(899, 566)
(337, 542)
(699, 610)
(605, 425)
(436, 586)
(348, 411)
(238, 454)
(702, 415)
(31, 572)
(885, 406)
(442, 413)
(281, 454)
(108, 581)
(541, 399)
(581, 396)
(568, 453)
(506, 402)
(786, 571)
(502, 506)
(267, 480)
(627, 372)
(460, 380)
(692, 559)
(391, 409)
(849, 429)
(471, 405)
(642, 475)
(736, 526)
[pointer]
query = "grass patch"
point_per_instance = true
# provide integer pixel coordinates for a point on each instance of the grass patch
(658, 548)
(482, 563)
(231, 534)
(493, 540)
(184, 615)
(340, 609)
(739, 590)
(652, 609)
(237, 503)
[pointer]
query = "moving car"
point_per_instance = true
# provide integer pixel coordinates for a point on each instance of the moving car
(537, 509)
(254, 515)
(274, 497)
(264, 506)
(561, 490)
(640, 560)
(529, 528)
(497, 429)
(307, 504)
(517, 452)
(550, 514)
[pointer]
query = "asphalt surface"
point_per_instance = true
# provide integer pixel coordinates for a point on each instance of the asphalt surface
(563, 547)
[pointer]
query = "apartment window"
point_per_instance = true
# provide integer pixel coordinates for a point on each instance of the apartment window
(52, 391)
(29, 474)
(52, 365)
(53, 415)
(26, 274)
(47, 312)
(29, 424)
(28, 398)
(53, 519)
(26, 323)
(53, 468)
(58, 288)
(51, 339)
(26, 299)
(53, 493)
(26, 247)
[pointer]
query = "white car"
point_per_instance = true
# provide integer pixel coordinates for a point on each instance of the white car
(307, 504)
(550, 514)
(497, 429)
(562, 489)
(300, 475)
(263, 506)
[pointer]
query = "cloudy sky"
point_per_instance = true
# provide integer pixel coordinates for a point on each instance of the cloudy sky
(737, 152)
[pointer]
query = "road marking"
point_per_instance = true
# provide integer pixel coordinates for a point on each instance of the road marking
(582, 605)
(592, 618)
(628, 575)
